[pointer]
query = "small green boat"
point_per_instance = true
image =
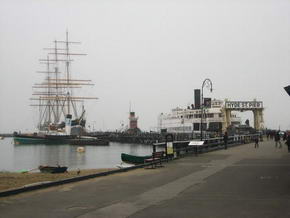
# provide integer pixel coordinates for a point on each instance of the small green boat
(128, 158)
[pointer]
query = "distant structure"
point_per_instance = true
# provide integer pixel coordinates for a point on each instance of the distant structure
(133, 123)
(255, 106)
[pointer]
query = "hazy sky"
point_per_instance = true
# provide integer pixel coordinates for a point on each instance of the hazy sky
(151, 53)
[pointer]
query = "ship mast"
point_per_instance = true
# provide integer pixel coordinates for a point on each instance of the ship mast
(69, 91)
(57, 90)
(58, 99)
(57, 117)
(46, 112)
(48, 92)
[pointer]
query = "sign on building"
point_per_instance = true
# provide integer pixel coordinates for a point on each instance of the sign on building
(240, 105)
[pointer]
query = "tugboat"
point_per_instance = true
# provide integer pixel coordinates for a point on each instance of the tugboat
(59, 119)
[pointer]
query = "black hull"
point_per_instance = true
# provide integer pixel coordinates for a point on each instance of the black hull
(42, 139)
(100, 142)
(50, 169)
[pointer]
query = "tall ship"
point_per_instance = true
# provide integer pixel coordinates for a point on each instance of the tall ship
(209, 114)
(61, 116)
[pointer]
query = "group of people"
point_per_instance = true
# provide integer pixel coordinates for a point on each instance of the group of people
(286, 139)
(276, 136)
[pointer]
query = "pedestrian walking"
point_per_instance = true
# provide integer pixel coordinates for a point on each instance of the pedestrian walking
(256, 142)
(272, 133)
(288, 142)
(284, 136)
(277, 140)
(226, 140)
(268, 134)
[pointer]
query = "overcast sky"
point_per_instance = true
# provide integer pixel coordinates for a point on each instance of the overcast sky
(151, 53)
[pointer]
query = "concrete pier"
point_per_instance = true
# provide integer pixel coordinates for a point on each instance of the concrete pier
(238, 182)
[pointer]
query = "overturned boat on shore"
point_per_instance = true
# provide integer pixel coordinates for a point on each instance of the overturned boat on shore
(52, 169)
(134, 159)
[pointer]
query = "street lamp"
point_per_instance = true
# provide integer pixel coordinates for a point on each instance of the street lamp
(208, 84)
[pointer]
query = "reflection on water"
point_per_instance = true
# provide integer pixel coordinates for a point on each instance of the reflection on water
(27, 157)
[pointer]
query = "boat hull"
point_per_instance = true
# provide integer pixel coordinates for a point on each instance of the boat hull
(46, 139)
(50, 169)
(133, 159)
(99, 142)
(23, 140)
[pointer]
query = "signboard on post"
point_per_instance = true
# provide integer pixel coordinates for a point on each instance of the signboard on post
(243, 105)
(169, 145)
(169, 148)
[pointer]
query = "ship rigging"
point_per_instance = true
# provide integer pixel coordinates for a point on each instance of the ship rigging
(55, 96)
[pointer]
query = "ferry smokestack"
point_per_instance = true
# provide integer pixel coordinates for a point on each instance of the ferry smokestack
(197, 98)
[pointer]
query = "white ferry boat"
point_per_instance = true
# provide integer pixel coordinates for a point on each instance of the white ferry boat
(188, 120)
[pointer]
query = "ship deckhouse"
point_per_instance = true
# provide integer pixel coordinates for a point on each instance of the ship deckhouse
(188, 120)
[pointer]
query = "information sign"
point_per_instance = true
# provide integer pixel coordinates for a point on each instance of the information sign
(169, 147)
(196, 143)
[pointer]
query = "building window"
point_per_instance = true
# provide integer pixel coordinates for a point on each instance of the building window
(196, 126)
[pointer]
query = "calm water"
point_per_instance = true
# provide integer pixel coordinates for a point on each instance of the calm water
(26, 157)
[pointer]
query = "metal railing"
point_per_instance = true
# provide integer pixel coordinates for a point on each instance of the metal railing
(217, 143)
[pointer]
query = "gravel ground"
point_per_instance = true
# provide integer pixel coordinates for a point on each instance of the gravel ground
(16, 180)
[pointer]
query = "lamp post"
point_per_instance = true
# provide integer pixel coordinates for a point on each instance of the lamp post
(208, 84)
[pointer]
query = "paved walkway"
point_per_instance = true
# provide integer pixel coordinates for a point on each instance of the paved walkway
(238, 182)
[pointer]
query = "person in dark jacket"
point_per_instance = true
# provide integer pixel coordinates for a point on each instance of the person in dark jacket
(226, 140)
(277, 140)
(284, 136)
(256, 142)
(288, 142)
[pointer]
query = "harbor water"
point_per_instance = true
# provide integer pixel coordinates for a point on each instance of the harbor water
(15, 158)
